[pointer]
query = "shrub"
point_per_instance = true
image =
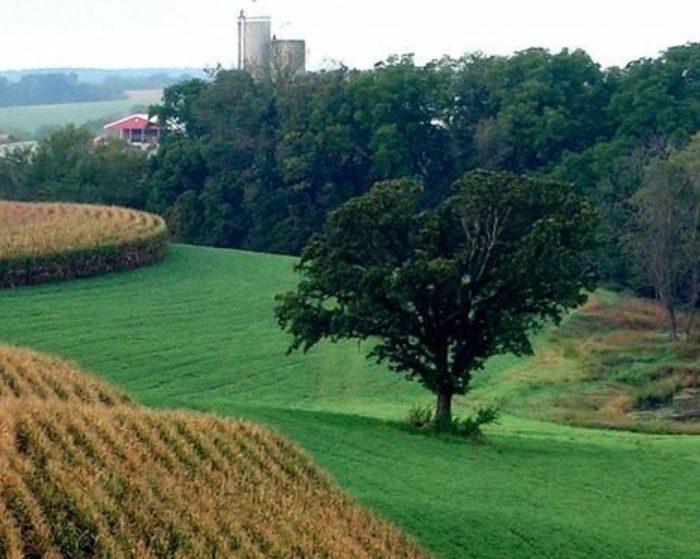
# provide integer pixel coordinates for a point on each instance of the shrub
(420, 417)
(470, 427)
(423, 418)
(656, 394)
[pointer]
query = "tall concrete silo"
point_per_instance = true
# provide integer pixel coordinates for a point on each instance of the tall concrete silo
(255, 45)
(288, 58)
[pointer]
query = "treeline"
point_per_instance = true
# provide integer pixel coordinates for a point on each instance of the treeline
(49, 89)
(68, 166)
(259, 165)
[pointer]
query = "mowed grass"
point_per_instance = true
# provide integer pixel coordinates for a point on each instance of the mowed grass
(197, 331)
(30, 118)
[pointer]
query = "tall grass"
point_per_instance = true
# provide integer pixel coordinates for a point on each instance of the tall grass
(610, 365)
(46, 242)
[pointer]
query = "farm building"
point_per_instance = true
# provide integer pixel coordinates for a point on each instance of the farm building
(16, 147)
(137, 130)
(263, 54)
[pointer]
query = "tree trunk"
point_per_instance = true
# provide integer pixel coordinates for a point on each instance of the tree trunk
(694, 276)
(673, 325)
(443, 416)
(689, 325)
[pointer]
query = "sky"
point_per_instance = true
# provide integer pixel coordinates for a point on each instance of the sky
(202, 33)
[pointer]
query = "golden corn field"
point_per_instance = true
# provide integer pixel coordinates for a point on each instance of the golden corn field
(44, 242)
(29, 376)
(86, 473)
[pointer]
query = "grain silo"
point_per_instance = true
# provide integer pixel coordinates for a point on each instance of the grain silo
(255, 45)
(288, 58)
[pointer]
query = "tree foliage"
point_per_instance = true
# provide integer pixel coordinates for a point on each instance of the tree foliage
(278, 157)
(68, 166)
(440, 290)
(259, 165)
(666, 232)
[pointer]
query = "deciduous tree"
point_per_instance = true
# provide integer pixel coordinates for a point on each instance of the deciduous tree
(666, 236)
(441, 289)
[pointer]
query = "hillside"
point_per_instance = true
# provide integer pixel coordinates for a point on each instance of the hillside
(30, 377)
(85, 473)
(31, 119)
(611, 364)
(197, 331)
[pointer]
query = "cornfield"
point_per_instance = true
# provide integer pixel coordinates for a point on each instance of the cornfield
(84, 472)
(46, 242)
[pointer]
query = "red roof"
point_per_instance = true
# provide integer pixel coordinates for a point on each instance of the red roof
(133, 122)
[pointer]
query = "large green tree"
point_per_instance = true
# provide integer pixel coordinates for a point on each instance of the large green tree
(441, 289)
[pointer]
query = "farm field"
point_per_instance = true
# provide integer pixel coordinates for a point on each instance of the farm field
(49, 241)
(86, 473)
(30, 118)
(197, 332)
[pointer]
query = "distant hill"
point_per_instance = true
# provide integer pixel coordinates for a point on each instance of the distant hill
(98, 75)
(36, 120)
(48, 87)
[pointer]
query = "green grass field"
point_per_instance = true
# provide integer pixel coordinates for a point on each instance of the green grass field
(30, 118)
(197, 331)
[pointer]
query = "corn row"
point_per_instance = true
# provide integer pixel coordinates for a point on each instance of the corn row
(81, 478)
(48, 242)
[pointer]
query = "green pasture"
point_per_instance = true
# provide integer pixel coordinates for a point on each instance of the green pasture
(30, 119)
(197, 332)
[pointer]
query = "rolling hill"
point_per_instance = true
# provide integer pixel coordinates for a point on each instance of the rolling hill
(197, 332)
(30, 119)
(86, 473)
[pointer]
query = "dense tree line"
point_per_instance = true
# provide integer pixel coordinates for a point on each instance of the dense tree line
(68, 166)
(259, 165)
(54, 88)
(36, 89)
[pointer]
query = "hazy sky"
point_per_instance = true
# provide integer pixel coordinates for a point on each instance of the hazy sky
(199, 33)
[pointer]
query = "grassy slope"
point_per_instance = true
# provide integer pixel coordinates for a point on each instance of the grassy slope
(197, 331)
(610, 364)
(30, 118)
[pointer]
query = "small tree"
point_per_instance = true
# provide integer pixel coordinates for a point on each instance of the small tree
(441, 290)
(665, 239)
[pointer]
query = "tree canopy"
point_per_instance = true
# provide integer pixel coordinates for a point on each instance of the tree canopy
(258, 165)
(68, 165)
(273, 159)
(665, 232)
(440, 289)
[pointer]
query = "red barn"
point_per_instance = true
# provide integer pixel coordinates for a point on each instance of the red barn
(137, 130)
